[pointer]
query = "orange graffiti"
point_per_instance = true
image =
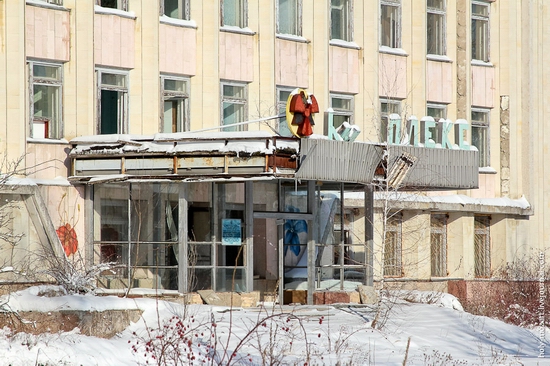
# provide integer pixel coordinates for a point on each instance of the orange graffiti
(67, 235)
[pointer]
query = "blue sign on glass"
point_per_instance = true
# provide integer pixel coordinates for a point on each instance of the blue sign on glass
(231, 232)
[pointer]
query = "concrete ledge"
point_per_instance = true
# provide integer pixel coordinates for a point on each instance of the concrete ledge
(102, 324)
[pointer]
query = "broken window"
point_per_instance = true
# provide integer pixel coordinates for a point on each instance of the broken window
(178, 9)
(234, 105)
(480, 135)
(341, 20)
(46, 100)
(289, 17)
(234, 13)
(480, 31)
(438, 243)
(482, 246)
(387, 107)
(392, 246)
(282, 99)
(113, 4)
(112, 102)
(435, 31)
(342, 105)
(175, 117)
(390, 23)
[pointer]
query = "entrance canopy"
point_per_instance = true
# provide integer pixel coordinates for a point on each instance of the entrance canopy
(192, 156)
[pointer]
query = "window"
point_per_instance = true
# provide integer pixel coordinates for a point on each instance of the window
(435, 32)
(482, 246)
(113, 4)
(175, 117)
(390, 23)
(480, 135)
(54, 2)
(341, 20)
(234, 13)
(112, 102)
(45, 94)
(282, 99)
(234, 105)
(289, 17)
(342, 105)
(480, 31)
(392, 246)
(437, 111)
(438, 243)
(387, 107)
(178, 9)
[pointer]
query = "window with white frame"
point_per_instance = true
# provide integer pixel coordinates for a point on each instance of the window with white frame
(482, 246)
(46, 86)
(480, 135)
(289, 17)
(234, 13)
(175, 116)
(436, 27)
(342, 105)
(178, 9)
(234, 105)
(438, 243)
(390, 23)
(480, 31)
(387, 107)
(282, 99)
(341, 20)
(112, 101)
(392, 246)
(113, 4)
(437, 111)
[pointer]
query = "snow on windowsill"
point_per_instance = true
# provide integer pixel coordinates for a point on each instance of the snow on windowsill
(292, 37)
(45, 4)
(178, 22)
(393, 51)
(110, 11)
(235, 29)
(481, 63)
(487, 170)
(47, 141)
(441, 58)
(345, 44)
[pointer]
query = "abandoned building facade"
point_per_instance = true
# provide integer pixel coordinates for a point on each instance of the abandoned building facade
(153, 135)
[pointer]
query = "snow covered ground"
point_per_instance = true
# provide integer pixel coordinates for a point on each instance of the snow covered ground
(439, 333)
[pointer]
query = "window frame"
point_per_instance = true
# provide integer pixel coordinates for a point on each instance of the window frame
(232, 100)
(281, 109)
(384, 115)
(395, 41)
(340, 111)
(482, 246)
(297, 21)
(486, 37)
(346, 27)
(172, 95)
(476, 124)
(184, 11)
(443, 30)
(121, 5)
(50, 132)
(122, 114)
(394, 225)
(243, 13)
(438, 256)
(436, 131)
